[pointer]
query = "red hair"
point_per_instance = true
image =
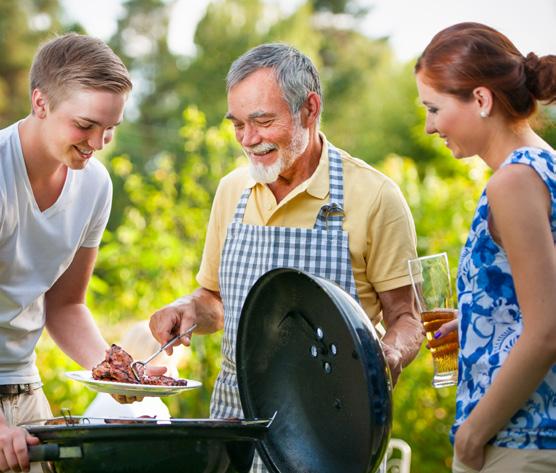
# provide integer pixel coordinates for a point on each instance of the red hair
(468, 55)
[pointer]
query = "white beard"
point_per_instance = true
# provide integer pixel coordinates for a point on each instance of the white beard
(267, 174)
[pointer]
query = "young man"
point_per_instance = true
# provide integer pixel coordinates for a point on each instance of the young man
(296, 179)
(55, 199)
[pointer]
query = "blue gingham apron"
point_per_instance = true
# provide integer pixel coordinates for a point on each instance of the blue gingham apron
(252, 250)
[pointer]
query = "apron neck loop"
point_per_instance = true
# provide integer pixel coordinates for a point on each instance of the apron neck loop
(240, 209)
(331, 215)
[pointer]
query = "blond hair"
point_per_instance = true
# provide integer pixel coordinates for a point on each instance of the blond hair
(74, 61)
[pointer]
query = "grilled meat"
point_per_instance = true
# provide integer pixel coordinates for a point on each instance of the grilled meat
(117, 367)
(163, 381)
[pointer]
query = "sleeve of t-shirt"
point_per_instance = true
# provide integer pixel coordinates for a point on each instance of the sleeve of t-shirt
(392, 240)
(2, 203)
(100, 217)
(207, 276)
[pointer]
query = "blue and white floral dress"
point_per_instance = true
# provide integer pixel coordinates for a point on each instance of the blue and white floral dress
(490, 321)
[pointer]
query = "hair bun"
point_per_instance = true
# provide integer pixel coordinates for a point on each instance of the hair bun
(539, 76)
(531, 62)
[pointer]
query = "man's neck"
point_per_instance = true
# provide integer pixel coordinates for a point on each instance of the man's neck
(46, 176)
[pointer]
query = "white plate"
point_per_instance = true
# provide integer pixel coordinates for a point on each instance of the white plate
(129, 389)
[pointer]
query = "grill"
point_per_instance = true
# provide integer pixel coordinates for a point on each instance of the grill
(314, 385)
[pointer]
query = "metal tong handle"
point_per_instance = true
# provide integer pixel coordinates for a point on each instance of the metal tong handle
(160, 350)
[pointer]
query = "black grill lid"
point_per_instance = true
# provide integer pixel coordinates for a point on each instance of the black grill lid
(306, 350)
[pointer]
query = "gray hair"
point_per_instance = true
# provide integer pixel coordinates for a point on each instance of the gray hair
(296, 74)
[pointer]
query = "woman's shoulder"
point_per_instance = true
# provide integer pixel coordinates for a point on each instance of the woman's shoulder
(520, 185)
(515, 178)
(524, 164)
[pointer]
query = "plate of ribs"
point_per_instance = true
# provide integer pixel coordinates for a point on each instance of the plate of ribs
(114, 376)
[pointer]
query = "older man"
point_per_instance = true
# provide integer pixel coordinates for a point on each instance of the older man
(297, 180)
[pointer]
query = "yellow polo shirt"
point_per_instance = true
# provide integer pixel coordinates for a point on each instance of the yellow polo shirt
(377, 219)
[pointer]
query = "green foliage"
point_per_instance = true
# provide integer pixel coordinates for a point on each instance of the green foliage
(442, 209)
(151, 258)
(353, 7)
(23, 25)
(169, 157)
(423, 416)
(60, 391)
(369, 99)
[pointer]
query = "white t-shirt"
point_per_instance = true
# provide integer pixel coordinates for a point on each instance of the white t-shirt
(37, 247)
(105, 406)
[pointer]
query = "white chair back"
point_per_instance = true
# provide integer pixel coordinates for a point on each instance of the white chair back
(398, 456)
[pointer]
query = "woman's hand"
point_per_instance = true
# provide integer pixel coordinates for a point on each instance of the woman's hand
(468, 447)
(442, 332)
(447, 328)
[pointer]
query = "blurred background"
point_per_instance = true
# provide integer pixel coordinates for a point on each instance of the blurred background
(173, 147)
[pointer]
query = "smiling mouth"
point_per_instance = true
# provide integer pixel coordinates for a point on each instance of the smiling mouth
(262, 153)
(84, 153)
(260, 150)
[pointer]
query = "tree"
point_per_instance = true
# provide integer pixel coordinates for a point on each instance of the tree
(24, 24)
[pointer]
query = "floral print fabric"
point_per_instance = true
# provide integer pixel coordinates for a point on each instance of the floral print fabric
(490, 321)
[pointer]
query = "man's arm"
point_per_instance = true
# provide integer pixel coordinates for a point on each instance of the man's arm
(70, 324)
(68, 320)
(203, 307)
(404, 330)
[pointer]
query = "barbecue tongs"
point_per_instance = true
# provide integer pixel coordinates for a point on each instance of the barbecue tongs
(154, 355)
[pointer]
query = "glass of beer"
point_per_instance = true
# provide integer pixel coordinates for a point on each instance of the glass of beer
(430, 278)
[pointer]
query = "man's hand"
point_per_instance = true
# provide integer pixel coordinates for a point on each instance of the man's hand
(203, 307)
(13, 447)
(394, 361)
(404, 330)
(123, 399)
(172, 319)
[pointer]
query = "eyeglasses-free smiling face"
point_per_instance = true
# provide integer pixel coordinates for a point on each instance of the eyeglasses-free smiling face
(457, 122)
(270, 136)
(84, 122)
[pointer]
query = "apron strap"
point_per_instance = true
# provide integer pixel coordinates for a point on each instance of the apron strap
(331, 215)
(240, 209)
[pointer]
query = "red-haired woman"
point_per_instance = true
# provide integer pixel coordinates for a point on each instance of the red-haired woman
(479, 92)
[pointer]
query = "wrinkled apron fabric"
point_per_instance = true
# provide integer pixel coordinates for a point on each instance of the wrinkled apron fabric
(251, 250)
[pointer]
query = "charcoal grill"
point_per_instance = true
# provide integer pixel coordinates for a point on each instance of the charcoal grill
(314, 386)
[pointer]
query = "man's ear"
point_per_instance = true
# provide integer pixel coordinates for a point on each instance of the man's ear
(310, 110)
(39, 103)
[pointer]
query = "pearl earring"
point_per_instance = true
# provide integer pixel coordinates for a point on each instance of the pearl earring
(483, 114)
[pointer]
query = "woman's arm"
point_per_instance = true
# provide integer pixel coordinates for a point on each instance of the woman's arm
(520, 212)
